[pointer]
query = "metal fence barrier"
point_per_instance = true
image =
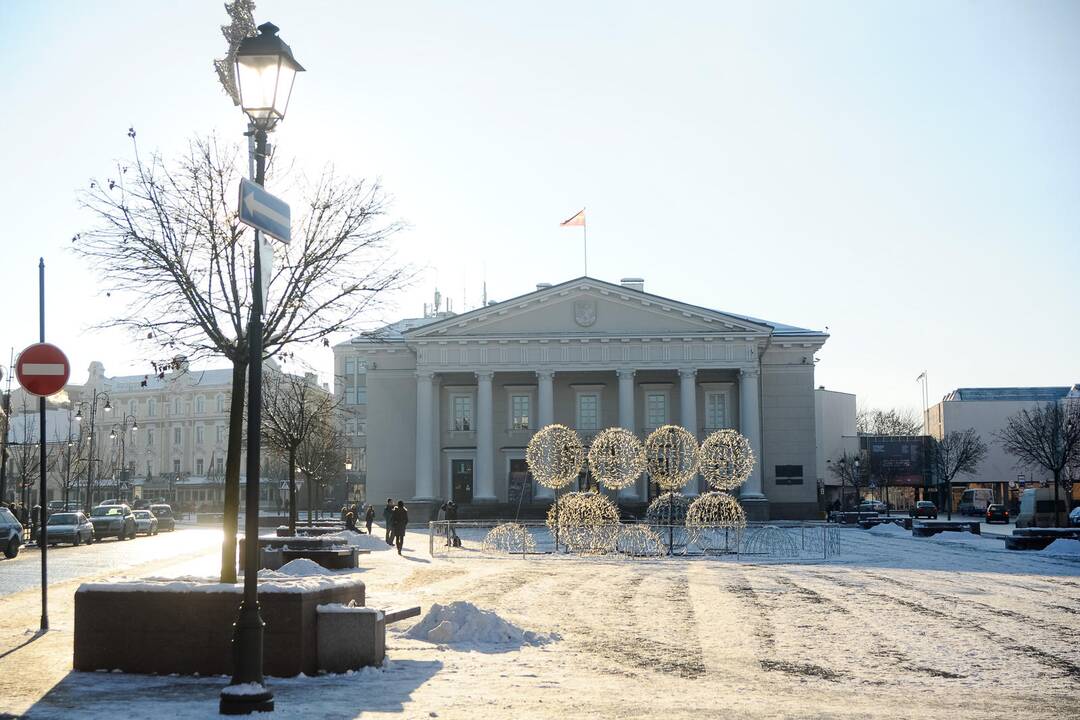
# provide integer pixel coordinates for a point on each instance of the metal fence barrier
(533, 539)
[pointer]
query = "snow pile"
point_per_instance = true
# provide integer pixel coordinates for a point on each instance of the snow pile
(1063, 546)
(889, 529)
(352, 607)
(463, 622)
(358, 540)
(300, 567)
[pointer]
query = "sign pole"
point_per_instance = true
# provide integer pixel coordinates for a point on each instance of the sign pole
(43, 533)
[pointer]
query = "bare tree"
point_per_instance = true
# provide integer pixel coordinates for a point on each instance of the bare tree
(844, 468)
(1047, 436)
(25, 449)
(66, 459)
(893, 421)
(295, 408)
(960, 451)
(168, 245)
(322, 457)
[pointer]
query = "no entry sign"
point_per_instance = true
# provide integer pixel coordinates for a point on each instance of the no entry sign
(42, 369)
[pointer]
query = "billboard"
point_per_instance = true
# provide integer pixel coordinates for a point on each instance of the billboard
(897, 459)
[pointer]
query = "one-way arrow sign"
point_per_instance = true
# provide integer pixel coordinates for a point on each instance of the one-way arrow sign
(263, 211)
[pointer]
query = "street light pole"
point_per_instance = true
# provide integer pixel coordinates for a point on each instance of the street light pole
(265, 70)
(88, 500)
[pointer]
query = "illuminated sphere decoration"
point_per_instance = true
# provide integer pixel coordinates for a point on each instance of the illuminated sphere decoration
(671, 456)
(668, 509)
(509, 538)
(726, 459)
(555, 456)
(711, 519)
(587, 522)
(616, 458)
(640, 541)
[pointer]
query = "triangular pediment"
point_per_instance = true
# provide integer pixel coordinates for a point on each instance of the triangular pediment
(589, 308)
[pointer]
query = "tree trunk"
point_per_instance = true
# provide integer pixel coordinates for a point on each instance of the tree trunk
(1057, 484)
(309, 481)
(230, 521)
(292, 491)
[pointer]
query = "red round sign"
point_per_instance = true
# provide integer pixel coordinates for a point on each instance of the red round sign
(42, 369)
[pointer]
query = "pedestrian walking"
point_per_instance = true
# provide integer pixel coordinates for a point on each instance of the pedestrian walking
(449, 509)
(386, 513)
(369, 517)
(399, 520)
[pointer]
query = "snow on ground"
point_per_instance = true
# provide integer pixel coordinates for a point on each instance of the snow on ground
(360, 540)
(462, 622)
(895, 627)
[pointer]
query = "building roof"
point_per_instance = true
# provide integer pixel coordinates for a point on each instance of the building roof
(1016, 394)
(127, 383)
(58, 423)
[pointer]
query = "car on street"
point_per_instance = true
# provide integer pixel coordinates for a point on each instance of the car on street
(924, 509)
(872, 506)
(164, 515)
(145, 522)
(140, 504)
(997, 512)
(69, 527)
(11, 532)
(1074, 517)
(113, 521)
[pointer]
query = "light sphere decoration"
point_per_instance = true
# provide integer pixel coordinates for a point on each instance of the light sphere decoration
(711, 520)
(668, 509)
(671, 456)
(616, 458)
(639, 541)
(587, 522)
(555, 456)
(509, 539)
(726, 459)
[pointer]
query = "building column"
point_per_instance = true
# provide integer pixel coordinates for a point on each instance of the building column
(425, 489)
(689, 419)
(545, 414)
(485, 477)
(436, 439)
(631, 493)
(751, 494)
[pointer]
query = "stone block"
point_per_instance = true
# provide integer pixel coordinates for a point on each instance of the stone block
(350, 638)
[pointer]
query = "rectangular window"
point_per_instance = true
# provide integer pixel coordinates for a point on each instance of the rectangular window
(200, 405)
(176, 407)
(519, 412)
(463, 412)
(588, 411)
(221, 433)
(789, 475)
(177, 436)
(350, 367)
(176, 466)
(133, 407)
(151, 407)
(221, 466)
(361, 395)
(349, 396)
(198, 434)
(150, 437)
(198, 466)
(361, 427)
(655, 410)
(221, 403)
(715, 410)
(350, 427)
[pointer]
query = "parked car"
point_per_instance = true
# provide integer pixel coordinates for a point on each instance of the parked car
(55, 505)
(11, 532)
(974, 501)
(113, 521)
(145, 522)
(1074, 517)
(1037, 508)
(997, 512)
(140, 504)
(872, 506)
(164, 515)
(924, 509)
(69, 527)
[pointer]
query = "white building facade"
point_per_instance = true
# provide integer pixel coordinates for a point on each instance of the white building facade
(452, 400)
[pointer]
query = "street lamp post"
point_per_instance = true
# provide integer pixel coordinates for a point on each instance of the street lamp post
(123, 477)
(855, 479)
(265, 71)
(95, 398)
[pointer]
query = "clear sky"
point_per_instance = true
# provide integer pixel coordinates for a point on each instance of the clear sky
(906, 174)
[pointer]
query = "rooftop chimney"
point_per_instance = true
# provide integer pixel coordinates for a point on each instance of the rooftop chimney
(543, 286)
(633, 283)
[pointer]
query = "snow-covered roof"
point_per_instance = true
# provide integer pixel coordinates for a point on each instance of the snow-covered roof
(1021, 394)
(128, 383)
(396, 330)
(58, 423)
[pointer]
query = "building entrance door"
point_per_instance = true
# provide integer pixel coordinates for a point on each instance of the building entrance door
(461, 480)
(520, 486)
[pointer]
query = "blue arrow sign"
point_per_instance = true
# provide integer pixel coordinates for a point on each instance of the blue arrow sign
(263, 211)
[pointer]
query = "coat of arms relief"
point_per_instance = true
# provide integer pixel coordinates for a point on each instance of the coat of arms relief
(585, 312)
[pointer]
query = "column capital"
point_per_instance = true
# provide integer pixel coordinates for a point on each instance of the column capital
(749, 372)
(625, 372)
(544, 374)
(425, 375)
(687, 373)
(484, 375)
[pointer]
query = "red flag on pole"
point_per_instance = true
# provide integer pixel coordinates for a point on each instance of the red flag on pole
(578, 219)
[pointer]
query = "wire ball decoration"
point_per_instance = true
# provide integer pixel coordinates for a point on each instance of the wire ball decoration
(510, 539)
(714, 521)
(588, 522)
(555, 456)
(668, 509)
(726, 459)
(616, 458)
(671, 456)
(770, 541)
(639, 541)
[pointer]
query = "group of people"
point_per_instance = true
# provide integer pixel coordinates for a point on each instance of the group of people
(350, 514)
(396, 520)
(27, 517)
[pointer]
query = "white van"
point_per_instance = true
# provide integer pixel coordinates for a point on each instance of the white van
(1037, 508)
(974, 501)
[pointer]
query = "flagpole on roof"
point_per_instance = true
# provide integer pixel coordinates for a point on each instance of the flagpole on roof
(578, 218)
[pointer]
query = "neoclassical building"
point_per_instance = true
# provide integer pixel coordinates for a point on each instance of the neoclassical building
(452, 400)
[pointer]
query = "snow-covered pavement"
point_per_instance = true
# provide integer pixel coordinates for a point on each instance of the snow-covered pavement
(897, 627)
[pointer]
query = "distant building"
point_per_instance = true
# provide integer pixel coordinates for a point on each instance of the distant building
(836, 438)
(987, 410)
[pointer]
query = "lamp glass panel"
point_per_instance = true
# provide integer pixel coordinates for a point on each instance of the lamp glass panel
(257, 78)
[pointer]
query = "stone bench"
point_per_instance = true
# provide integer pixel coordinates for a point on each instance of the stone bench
(1038, 538)
(309, 531)
(165, 627)
(849, 517)
(354, 637)
(928, 528)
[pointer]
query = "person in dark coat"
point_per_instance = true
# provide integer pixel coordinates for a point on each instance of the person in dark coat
(386, 512)
(369, 517)
(399, 520)
(350, 521)
(449, 509)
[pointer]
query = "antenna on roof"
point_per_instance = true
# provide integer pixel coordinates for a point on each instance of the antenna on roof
(438, 301)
